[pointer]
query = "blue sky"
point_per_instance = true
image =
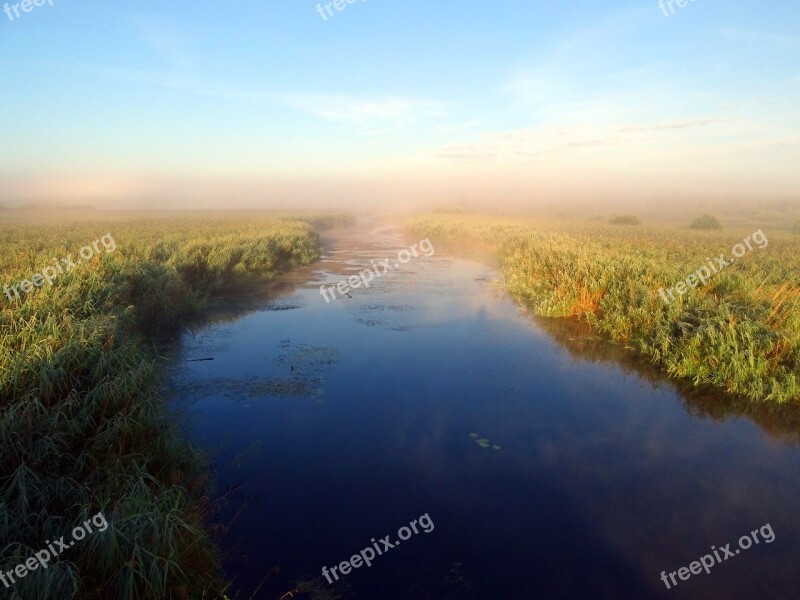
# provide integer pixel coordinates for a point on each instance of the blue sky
(193, 100)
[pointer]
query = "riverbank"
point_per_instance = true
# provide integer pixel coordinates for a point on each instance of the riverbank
(83, 427)
(739, 333)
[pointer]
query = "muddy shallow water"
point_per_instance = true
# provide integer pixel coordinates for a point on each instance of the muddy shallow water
(551, 463)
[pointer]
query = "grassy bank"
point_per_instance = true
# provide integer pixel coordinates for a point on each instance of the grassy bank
(739, 333)
(83, 428)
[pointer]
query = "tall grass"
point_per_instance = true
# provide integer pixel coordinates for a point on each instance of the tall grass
(83, 428)
(739, 334)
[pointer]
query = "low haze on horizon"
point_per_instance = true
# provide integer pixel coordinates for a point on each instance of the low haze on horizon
(250, 105)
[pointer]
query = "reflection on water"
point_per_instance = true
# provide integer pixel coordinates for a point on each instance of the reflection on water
(781, 421)
(332, 424)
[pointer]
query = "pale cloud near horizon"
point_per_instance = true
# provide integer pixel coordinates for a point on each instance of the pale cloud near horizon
(555, 139)
(333, 107)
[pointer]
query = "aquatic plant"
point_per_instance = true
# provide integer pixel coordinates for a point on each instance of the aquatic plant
(482, 442)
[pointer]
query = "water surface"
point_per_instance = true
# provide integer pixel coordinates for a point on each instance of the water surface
(335, 423)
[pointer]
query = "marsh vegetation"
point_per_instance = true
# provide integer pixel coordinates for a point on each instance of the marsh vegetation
(83, 427)
(739, 334)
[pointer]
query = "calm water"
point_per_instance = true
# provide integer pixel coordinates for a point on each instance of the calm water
(332, 424)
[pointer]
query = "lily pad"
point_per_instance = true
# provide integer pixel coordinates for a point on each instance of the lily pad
(474, 436)
(496, 447)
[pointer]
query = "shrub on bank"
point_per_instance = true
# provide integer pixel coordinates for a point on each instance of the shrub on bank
(626, 220)
(706, 222)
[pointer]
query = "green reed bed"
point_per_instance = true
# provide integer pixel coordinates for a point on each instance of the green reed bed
(83, 428)
(739, 333)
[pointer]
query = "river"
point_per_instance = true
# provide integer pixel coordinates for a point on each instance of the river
(551, 464)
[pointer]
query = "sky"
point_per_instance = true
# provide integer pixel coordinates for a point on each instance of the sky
(221, 104)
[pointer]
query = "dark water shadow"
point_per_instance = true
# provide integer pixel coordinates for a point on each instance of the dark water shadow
(780, 421)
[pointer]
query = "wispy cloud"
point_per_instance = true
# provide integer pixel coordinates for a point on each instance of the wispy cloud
(757, 37)
(357, 109)
(171, 44)
(677, 124)
(550, 140)
(376, 114)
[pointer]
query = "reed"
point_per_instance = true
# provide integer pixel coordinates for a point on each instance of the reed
(83, 427)
(739, 334)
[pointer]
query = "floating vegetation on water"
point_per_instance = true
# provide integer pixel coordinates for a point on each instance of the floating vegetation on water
(483, 442)
(279, 307)
(389, 307)
(308, 357)
(384, 324)
(370, 322)
(286, 387)
(305, 363)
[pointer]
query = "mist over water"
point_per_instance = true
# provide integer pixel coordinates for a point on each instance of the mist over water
(553, 463)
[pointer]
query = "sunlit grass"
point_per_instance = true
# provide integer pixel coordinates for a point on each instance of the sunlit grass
(83, 429)
(740, 333)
